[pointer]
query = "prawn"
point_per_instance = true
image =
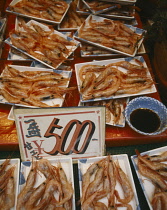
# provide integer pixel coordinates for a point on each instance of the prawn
(86, 94)
(158, 158)
(89, 68)
(16, 92)
(45, 167)
(135, 88)
(126, 186)
(10, 191)
(108, 91)
(93, 186)
(114, 107)
(66, 186)
(100, 206)
(88, 202)
(51, 187)
(50, 83)
(86, 179)
(156, 201)
(10, 98)
(36, 194)
(87, 81)
(163, 200)
(152, 175)
(41, 31)
(35, 102)
(41, 57)
(150, 164)
(25, 193)
(3, 166)
(108, 71)
(103, 85)
(57, 38)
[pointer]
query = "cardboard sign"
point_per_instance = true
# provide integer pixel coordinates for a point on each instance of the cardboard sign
(77, 132)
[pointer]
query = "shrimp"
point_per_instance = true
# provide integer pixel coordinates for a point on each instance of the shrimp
(54, 45)
(126, 186)
(93, 186)
(12, 79)
(50, 92)
(41, 57)
(67, 188)
(50, 83)
(57, 38)
(108, 115)
(51, 187)
(158, 158)
(14, 72)
(25, 193)
(111, 174)
(10, 191)
(115, 108)
(56, 16)
(163, 200)
(135, 88)
(16, 92)
(152, 175)
(10, 98)
(41, 31)
(103, 75)
(89, 68)
(108, 92)
(34, 102)
(37, 193)
(150, 164)
(88, 202)
(156, 201)
(86, 179)
(103, 85)
(3, 166)
(45, 167)
(106, 179)
(86, 94)
(46, 15)
(100, 206)
(87, 81)
(45, 77)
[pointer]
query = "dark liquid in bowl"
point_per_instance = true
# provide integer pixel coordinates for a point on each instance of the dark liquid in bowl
(145, 120)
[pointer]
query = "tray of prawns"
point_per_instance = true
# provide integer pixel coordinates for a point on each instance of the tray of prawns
(113, 78)
(46, 183)
(107, 182)
(98, 7)
(72, 20)
(114, 114)
(9, 180)
(127, 2)
(150, 167)
(111, 35)
(41, 42)
(34, 87)
(41, 10)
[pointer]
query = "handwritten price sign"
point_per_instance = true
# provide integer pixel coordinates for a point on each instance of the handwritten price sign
(76, 132)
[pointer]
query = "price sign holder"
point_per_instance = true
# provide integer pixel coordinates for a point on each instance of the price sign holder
(76, 132)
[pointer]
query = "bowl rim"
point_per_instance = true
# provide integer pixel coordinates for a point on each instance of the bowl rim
(146, 98)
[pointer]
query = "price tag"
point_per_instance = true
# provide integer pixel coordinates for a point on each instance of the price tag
(76, 132)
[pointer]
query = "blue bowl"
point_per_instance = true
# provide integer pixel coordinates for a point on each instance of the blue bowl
(151, 104)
